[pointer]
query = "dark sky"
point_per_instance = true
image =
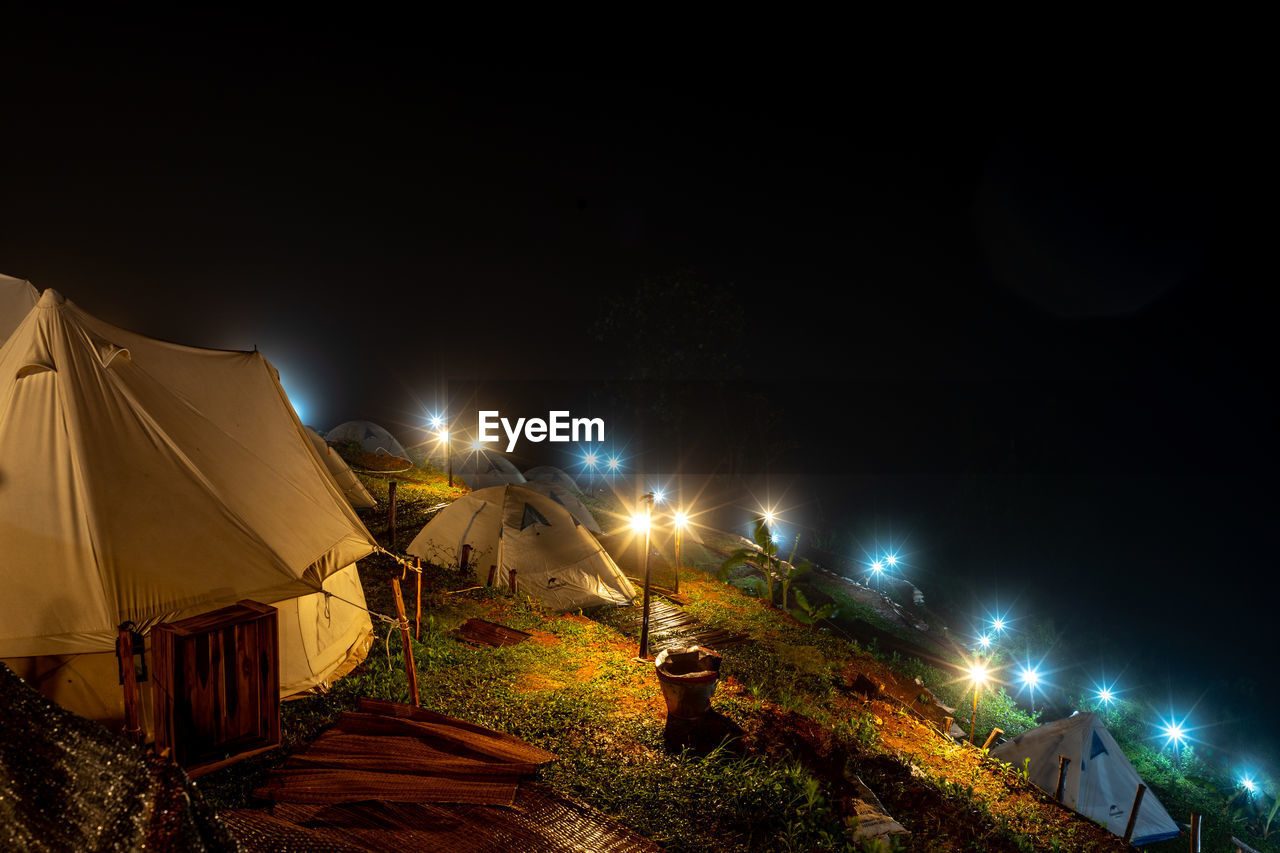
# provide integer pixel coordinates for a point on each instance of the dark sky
(1016, 314)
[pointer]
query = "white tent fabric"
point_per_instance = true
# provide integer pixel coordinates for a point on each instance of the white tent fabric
(552, 474)
(1100, 782)
(484, 469)
(569, 501)
(556, 559)
(142, 480)
(357, 495)
(371, 438)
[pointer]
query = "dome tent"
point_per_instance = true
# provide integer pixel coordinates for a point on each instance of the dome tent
(357, 495)
(371, 438)
(145, 481)
(557, 560)
(569, 501)
(1100, 782)
(551, 474)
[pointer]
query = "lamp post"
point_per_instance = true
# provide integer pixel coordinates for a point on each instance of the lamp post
(680, 519)
(977, 672)
(638, 522)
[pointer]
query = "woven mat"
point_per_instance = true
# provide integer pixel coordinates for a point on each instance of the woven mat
(539, 821)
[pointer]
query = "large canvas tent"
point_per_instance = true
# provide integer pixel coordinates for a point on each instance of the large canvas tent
(569, 501)
(1100, 782)
(512, 527)
(552, 474)
(144, 481)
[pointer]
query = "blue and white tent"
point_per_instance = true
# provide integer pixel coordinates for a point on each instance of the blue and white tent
(1100, 783)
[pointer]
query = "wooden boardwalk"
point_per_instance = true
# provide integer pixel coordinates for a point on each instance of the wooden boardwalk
(671, 626)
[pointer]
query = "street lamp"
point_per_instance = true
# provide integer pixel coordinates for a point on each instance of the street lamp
(679, 519)
(448, 452)
(641, 522)
(978, 674)
(1031, 677)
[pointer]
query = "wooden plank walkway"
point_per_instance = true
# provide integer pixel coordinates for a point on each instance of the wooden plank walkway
(671, 626)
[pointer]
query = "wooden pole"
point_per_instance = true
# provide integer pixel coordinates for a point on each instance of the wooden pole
(1063, 764)
(391, 516)
(644, 619)
(493, 575)
(511, 580)
(417, 619)
(992, 736)
(410, 669)
(124, 650)
(974, 724)
(1195, 833)
(1133, 812)
(675, 587)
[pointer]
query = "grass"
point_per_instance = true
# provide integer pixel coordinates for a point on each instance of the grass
(783, 784)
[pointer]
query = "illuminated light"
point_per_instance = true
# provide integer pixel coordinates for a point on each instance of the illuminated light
(477, 446)
(777, 537)
(997, 625)
(1105, 696)
(444, 435)
(978, 673)
(435, 421)
(680, 519)
(658, 496)
(984, 641)
(590, 460)
(1249, 784)
(1173, 733)
(640, 522)
(768, 516)
(891, 560)
(877, 567)
(613, 463)
(1031, 678)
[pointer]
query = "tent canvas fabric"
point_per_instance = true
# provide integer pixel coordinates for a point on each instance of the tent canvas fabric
(484, 469)
(552, 474)
(142, 481)
(569, 501)
(371, 438)
(556, 559)
(1100, 784)
(357, 495)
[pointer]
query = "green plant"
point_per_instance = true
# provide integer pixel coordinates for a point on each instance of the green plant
(810, 615)
(764, 556)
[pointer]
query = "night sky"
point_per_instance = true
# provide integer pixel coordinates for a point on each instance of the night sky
(1014, 319)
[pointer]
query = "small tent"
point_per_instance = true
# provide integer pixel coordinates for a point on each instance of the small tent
(145, 481)
(556, 559)
(481, 469)
(569, 501)
(1100, 783)
(357, 495)
(551, 474)
(371, 438)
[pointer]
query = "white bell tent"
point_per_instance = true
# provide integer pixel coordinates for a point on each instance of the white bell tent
(557, 560)
(371, 438)
(357, 495)
(145, 481)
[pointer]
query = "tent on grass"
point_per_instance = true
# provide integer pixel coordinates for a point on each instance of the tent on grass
(371, 438)
(1100, 783)
(146, 481)
(569, 501)
(482, 469)
(512, 527)
(356, 493)
(552, 474)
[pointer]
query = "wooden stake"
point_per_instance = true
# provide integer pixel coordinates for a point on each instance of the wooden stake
(992, 736)
(417, 620)
(493, 575)
(410, 669)
(511, 580)
(1195, 833)
(1133, 812)
(124, 650)
(391, 516)
(1063, 764)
